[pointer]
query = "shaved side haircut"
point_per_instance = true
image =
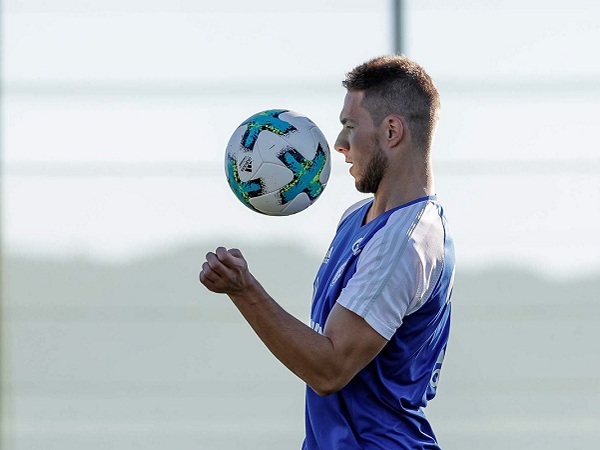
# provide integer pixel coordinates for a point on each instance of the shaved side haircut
(395, 85)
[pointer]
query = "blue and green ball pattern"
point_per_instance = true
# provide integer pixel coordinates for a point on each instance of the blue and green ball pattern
(266, 120)
(243, 190)
(306, 172)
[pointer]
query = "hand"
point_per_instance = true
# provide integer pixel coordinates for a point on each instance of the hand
(226, 272)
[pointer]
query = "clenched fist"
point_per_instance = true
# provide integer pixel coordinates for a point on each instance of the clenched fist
(226, 272)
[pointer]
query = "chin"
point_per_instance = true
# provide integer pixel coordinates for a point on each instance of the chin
(360, 187)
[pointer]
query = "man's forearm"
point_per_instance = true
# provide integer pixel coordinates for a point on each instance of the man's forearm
(326, 362)
(302, 350)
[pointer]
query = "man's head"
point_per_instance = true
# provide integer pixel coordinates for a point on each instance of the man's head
(395, 85)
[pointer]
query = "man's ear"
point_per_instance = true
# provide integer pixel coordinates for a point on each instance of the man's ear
(395, 130)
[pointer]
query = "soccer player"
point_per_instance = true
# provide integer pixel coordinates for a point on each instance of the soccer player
(380, 316)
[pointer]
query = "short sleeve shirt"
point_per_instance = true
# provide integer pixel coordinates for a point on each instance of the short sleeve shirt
(396, 272)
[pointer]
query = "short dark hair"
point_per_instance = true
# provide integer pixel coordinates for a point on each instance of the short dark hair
(396, 85)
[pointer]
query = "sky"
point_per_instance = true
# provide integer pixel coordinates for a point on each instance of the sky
(116, 115)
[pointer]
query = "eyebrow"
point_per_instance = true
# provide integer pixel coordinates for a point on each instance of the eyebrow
(345, 120)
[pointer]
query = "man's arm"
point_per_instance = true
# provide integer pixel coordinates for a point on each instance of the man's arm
(326, 362)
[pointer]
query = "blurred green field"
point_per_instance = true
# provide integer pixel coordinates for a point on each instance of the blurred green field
(139, 355)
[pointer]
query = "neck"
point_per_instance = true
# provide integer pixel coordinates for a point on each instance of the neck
(400, 187)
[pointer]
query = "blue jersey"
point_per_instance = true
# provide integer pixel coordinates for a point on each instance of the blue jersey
(397, 273)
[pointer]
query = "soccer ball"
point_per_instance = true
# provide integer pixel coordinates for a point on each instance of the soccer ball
(277, 162)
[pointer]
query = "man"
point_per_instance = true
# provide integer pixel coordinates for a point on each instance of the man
(381, 309)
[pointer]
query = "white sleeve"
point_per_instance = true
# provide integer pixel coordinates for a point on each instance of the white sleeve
(397, 269)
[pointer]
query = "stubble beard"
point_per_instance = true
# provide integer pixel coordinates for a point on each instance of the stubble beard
(374, 172)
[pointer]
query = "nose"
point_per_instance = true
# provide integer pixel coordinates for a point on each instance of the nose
(341, 144)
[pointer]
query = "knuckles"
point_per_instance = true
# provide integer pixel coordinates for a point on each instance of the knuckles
(224, 270)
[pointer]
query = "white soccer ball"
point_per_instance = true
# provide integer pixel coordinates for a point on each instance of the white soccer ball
(277, 162)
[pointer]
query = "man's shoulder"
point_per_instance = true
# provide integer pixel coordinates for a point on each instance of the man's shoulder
(425, 213)
(355, 207)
